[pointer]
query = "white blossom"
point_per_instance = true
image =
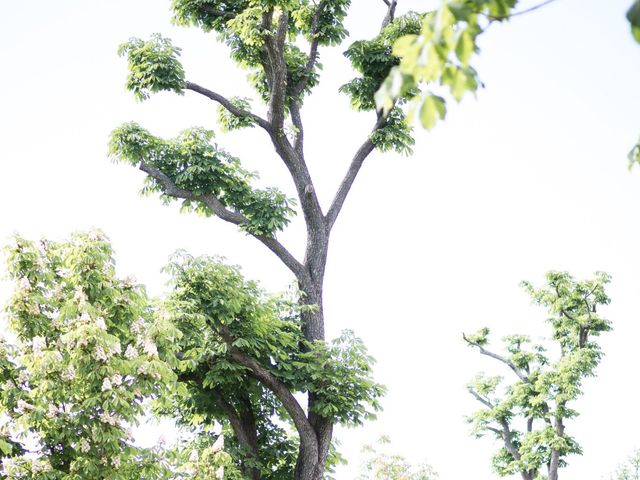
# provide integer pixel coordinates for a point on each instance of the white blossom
(38, 344)
(149, 347)
(40, 466)
(69, 374)
(8, 385)
(115, 461)
(100, 354)
(85, 446)
(138, 326)
(79, 296)
(52, 411)
(100, 323)
(23, 377)
(24, 285)
(218, 445)
(108, 418)
(116, 379)
(106, 384)
(22, 406)
(220, 473)
(130, 352)
(33, 309)
(193, 458)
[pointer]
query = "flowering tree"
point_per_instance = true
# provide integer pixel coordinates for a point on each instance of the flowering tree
(88, 355)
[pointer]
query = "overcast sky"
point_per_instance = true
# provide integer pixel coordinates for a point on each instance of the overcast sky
(530, 175)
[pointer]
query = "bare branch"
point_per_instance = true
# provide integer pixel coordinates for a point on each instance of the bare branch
(391, 13)
(356, 163)
(171, 189)
(521, 375)
(226, 103)
(521, 12)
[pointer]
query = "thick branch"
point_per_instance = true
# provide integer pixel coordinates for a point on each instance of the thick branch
(279, 389)
(275, 48)
(225, 214)
(356, 163)
(226, 103)
(521, 375)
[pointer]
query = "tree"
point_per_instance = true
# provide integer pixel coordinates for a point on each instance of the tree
(90, 354)
(380, 465)
(528, 415)
(629, 470)
(248, 359)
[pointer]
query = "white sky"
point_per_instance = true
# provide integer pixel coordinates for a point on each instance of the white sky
(530, 176)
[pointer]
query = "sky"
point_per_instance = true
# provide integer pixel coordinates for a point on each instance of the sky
(529, 175)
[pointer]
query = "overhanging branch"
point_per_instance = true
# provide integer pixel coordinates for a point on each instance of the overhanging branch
(171, 189)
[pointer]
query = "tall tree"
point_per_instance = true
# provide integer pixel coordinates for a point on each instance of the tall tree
(265, 37)
(529, 415)
(629, 470)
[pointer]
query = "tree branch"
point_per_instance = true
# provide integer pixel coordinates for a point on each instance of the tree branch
(521, 12)
(356, 163)
(391, 12)
(226, 103)
(275, 47)
(313, 51)
(171, 189)
(521, 375)
(279, 389)
(480, 398)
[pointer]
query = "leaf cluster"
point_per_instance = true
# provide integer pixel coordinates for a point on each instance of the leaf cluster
(440, 55)
(194, 163)
(153, 66)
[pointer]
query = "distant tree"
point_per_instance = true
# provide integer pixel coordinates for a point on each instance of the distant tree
(528, 415)
(629, 470)
(380, 465)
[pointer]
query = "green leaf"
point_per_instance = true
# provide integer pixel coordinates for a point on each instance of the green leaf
(433, 109)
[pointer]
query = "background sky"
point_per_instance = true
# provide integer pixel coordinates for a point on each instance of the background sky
(530, 175)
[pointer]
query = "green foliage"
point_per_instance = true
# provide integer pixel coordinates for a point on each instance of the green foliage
(153, 66)
(340, 374)
(228, 121)
(634, 155)
(440, 54)
(633, 15)
(219, 314)
(544, 387)
(194, 163)
(380, 465)
(89, 354)
(374, 59)
(395, 134)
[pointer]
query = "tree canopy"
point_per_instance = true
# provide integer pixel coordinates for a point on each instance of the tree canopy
(528, 415)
